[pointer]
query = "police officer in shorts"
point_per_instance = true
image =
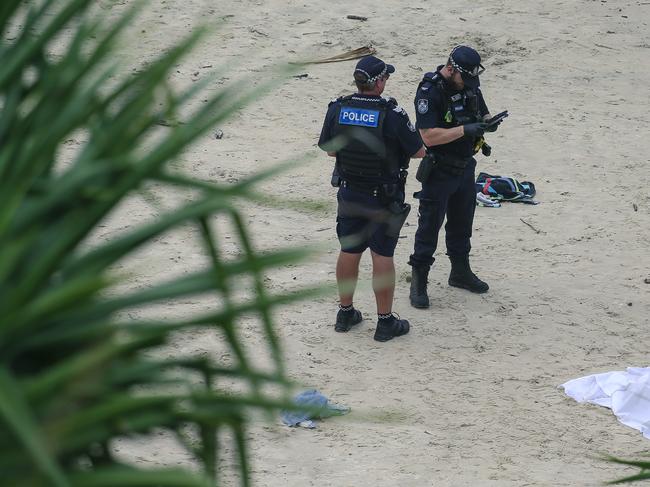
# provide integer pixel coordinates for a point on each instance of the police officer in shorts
(373, 141)
(451, 115)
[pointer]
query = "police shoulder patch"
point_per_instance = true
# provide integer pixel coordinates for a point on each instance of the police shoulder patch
(399, 109)
(423, 106)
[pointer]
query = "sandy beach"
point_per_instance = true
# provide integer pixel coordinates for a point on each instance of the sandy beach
(470, 397)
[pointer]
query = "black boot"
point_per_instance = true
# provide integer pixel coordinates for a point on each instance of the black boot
(389, 327)
(461, 275)
(418, 294)
(347, 319)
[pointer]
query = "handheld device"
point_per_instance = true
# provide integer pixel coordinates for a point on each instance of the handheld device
(498, 118)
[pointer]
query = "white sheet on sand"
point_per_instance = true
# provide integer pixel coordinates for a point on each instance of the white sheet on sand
(627, 394)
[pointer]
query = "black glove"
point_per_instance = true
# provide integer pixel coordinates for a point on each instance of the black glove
(474, 129)
(493, 127)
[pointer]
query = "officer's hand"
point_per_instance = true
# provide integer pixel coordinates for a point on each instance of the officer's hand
(493, 128)
(474, 129)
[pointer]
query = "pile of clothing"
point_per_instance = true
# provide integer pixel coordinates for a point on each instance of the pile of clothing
(492, 190)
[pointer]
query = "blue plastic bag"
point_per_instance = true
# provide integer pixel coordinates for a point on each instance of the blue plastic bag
(318, 405)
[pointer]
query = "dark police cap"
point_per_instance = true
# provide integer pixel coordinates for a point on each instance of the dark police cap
(468, 62)
(371, 68)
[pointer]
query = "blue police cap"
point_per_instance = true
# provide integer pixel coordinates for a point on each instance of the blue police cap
(372, 68)
(468, 62)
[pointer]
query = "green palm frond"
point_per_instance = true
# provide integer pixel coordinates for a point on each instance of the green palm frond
(74, 374)
(642, 465)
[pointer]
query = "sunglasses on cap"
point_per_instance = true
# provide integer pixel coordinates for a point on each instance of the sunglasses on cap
(476, 71)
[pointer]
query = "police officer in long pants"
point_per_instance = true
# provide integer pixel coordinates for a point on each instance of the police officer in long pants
(373, 141)
(451, 116)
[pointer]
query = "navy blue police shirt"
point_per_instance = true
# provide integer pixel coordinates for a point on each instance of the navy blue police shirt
(433, 108)
(398, 130)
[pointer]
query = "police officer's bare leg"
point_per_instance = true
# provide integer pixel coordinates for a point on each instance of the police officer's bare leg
(347, 273)
(383, 282)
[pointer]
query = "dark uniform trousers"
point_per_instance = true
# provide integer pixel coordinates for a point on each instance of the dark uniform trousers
(453, 196)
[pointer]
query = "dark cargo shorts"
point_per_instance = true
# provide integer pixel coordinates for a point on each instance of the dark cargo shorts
(361, 224)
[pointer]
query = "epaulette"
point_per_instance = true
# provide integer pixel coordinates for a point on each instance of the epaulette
(428, 80)
(398, 109)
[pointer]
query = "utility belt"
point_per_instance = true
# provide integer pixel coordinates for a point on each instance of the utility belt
(447, 163)
(389, 195)
(375, 191)
(386, 192)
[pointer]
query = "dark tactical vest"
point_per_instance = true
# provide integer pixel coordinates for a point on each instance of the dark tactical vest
(365, 155)
(461, 107)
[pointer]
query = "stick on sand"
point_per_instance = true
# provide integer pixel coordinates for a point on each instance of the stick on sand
(529, 225)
